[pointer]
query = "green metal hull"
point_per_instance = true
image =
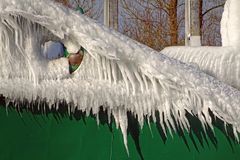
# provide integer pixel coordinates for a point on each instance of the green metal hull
(41, 137)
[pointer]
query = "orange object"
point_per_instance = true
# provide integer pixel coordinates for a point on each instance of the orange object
(75, 61)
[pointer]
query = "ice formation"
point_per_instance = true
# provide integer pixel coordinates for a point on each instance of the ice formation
(221, 62)
(230, 23)
(117, 72)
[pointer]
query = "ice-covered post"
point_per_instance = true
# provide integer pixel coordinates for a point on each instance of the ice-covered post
(187, 22)
(106, 12)
(111, 13)
(192, 23)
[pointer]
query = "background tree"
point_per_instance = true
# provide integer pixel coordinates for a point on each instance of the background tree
(158, 23)
(210, 18)
(91, 8)
(64, 2)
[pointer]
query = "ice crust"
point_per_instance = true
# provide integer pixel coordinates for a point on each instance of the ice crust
(223, 62)
(230, 23)
(117, 72)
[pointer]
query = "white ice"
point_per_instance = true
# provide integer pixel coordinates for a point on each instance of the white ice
(117, 72)
(223, 62)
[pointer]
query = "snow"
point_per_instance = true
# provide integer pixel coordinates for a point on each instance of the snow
(222, 63)
(195, 41)
(230, 23)
(72, 47)
(117, 72)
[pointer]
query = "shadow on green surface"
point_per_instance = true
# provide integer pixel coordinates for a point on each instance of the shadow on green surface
(198, 131)
(134, 130)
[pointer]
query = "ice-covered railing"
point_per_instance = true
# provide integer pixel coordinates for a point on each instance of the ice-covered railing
(117, 72)
(221, 62)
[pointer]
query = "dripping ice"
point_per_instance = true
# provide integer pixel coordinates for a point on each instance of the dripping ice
(117, 73)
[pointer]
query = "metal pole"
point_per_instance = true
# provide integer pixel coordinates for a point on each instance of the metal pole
(113, 5)
(187, 22)
(111, 13)
(106, 13)
(195, 39)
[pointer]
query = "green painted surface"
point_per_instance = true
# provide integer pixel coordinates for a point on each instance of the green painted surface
(38, 137)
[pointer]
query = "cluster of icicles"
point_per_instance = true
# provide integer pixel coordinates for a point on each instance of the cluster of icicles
(117, 73)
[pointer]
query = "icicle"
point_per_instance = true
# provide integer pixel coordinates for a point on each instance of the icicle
(108, 70)
(104, 68)
(136, 73)
(123, 121)
(145, 82)
(99, 66)
(124, 77)
(131, 77)
(235, 133)
(114, 71)
(120, 76)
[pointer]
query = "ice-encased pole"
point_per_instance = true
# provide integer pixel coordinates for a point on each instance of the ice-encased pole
(111, 13)
(192, 23)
